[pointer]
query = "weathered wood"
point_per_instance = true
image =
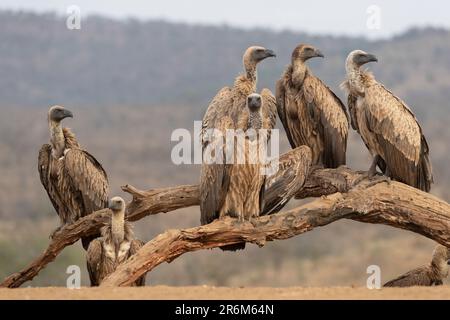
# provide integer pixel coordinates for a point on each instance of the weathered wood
(417, 211)
(390, 203)
(144, 203)
(66, 236)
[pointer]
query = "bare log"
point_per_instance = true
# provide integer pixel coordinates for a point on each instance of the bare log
(393, 204)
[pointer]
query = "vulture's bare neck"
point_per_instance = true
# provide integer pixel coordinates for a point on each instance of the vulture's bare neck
(356, 79)
(57, 139)
(255, 120)
(250, 71)
(299, 72)
(118, 227)
(439, 268)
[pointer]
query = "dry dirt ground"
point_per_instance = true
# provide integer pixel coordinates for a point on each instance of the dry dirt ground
(206, 292)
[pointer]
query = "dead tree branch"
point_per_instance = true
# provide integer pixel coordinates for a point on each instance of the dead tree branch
(393, 204)
(156, 201)
(425, 214)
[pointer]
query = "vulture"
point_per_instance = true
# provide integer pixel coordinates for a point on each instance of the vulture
(237, 188)
(387, 126)
(310, 112)
(75, 181)
(432, 274)
(116, 245)
(224, 112)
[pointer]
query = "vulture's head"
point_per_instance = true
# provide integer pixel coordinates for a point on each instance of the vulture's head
(256, 54)
(254, 102)
(58, 113)
(441, 254)
(304, 52)
(116, 204)
(358, 58)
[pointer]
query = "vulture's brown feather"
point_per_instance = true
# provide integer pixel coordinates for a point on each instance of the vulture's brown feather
(226, 111)
(100, 264)
(311, 113)
(76, 183)
(388, 127)
(288, 180)
(432, 274)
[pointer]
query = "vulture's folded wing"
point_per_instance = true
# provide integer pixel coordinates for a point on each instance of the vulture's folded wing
(269, 109)
(88, 177)
(416, 277)
(44, 162)
(281, 109)
(93, 260)
(399, 135)
(215, 175)
(288, 180)
(330, 119)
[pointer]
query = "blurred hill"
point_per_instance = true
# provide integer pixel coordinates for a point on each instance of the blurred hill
(110, 62)
(131, 83)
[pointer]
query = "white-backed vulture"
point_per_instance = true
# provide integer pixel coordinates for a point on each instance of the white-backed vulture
(432, 274)
(387, 126)
(76, 183)
(310, 112)
(244, 196)
(115, 246)
(226, 109)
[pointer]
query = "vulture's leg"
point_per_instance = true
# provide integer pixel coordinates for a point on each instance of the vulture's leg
(371, 173)
(387, 173)
(373, 167)
(376, 180)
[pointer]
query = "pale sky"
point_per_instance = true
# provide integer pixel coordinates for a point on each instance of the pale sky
(347, 17)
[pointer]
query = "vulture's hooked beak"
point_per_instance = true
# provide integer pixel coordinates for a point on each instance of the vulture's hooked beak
(270, 53)
(369, 58)
(319, 53)
(67, 114)
(112, 205)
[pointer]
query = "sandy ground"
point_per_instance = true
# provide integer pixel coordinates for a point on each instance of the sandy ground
(206, 292)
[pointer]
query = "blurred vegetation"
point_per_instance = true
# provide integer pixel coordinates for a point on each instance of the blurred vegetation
(130, 84)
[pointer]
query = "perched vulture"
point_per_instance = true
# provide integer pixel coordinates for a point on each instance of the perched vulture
(75, 182)
(243, 180)
(429, 275)
(310, 112)
(224, 112)
(115, 246)
(387, 126)
(280, 187)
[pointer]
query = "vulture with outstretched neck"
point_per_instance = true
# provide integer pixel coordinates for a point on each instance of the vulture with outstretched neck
(310, 112)
(225, 111)
(432, 274)
(115, 246)
(387, 126)
(75, 181)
